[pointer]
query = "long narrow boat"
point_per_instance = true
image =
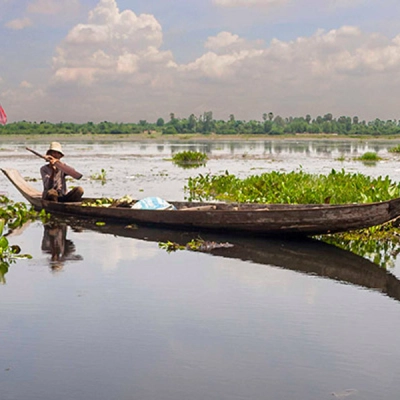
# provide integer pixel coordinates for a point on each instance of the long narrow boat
(259, 219)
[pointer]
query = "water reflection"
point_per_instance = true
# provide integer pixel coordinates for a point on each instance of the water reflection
(307, 256)
(56, 244)
(290, 146)
(3, 270)
(189, 165)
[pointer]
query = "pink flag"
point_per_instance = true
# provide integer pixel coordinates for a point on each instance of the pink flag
(3, 116)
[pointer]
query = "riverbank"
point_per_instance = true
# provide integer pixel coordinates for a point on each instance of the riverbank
(157, 136)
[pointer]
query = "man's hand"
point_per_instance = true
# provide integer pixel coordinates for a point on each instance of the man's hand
(52, 161)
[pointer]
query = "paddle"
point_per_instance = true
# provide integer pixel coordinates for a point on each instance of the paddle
(63, 167)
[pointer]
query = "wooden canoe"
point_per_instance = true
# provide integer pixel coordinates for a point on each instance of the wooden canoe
(259, 219)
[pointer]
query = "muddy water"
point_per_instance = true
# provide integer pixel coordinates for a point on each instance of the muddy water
(99, 315)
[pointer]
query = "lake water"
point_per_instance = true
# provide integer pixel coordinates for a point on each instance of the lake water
(104, 313)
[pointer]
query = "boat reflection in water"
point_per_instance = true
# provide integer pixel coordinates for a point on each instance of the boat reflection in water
(56, 244)
(306, 256)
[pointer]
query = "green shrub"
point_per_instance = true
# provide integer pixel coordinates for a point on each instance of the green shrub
(190, 159)
(369, 156)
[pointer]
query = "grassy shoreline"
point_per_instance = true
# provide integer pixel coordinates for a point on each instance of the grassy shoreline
(185, 137)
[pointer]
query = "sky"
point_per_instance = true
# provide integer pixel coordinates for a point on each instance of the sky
(130, 60)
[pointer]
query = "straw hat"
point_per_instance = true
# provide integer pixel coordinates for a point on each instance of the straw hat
(55, 146)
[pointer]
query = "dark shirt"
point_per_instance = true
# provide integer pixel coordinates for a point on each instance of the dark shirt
(58, 182)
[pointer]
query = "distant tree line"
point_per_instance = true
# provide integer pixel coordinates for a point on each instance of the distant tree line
(206, 124)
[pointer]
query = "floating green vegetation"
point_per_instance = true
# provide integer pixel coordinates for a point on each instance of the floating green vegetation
(102, 176)
(369, 156)
(8, 253)
(30, 179)
(395, 149)
(12, 216)
(170, 247)
(16, 214)
(298, 187)
(379, 244)
(341, 158)
(194, 245)
(190, 159)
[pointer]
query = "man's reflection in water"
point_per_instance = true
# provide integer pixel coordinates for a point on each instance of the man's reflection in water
(56, 244)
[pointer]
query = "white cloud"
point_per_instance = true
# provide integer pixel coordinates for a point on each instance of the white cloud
(14, 96)
(26, 85)
(19, 23)
(229, 43)
(212, 65)
(347, 51)
(111, 45)
(223, 39)
(127, 63)
(84, 76)
(334, 70)
(114, 62)
(343, 51)
(52, 7)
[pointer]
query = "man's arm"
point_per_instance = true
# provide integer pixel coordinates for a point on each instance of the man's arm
(54, 162)
(47, 172)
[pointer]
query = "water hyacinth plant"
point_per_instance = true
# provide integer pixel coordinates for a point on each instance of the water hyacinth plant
(7, 252)
(190, 159)
(338, 187)
(12, 216)
(369, 156)
(101, 176)
(380, 244)
(16, 214)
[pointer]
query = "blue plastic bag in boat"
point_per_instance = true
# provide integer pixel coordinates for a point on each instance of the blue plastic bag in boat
(153, 203)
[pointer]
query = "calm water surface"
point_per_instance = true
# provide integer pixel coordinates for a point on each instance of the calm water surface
(101, 316)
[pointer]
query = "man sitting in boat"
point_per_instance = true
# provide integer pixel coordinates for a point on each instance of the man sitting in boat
(53, 177)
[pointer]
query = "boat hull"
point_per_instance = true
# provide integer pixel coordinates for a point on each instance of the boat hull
(259, 219)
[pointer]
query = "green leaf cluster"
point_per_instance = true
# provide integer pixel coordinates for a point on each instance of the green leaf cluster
(297, 187)
(379, 244)
(101, 176)
(395, 149)
(16, 214)
(190, 159)
(369, 156)
(13, 215)
(8, 253)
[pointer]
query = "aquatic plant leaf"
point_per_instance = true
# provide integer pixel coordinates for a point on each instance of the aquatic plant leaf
(3, 243)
